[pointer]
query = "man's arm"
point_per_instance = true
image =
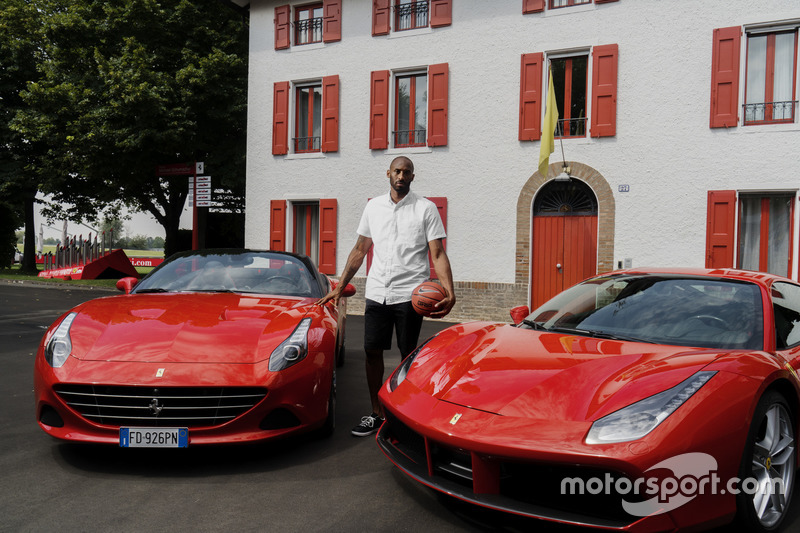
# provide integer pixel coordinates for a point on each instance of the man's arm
(442, 265)
(354, 261)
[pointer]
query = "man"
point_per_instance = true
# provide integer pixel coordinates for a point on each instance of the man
(403, 228)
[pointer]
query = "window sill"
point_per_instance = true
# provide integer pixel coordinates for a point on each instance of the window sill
(569, 10)
(306, 47)
(409, 150)
(409, 33)
(309, 155)
(764, 128)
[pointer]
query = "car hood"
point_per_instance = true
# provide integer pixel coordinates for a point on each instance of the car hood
(184, 328)
(510, 371)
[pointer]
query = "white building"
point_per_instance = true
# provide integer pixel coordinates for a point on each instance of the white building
(682, 135)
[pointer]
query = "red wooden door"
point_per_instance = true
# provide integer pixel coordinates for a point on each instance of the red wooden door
(564, 253)
(564, 247)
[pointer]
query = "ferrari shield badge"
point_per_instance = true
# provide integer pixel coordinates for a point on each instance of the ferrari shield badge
(455, 418)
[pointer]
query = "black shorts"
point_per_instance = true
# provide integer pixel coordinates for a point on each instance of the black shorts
(380, 319)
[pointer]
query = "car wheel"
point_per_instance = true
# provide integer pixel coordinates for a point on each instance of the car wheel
(330, 421)
(768, 465)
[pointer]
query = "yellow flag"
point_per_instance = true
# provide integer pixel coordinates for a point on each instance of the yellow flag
(548, 128)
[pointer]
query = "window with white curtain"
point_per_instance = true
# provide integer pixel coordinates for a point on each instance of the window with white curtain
(765, 228)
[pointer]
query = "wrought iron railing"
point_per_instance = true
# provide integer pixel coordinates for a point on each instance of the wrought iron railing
(409, 16)
(306, 144)
(308, 31)
(572, 127)
(770, 112)
(403, 138)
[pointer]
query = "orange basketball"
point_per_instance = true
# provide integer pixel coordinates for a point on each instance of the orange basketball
(426, 296)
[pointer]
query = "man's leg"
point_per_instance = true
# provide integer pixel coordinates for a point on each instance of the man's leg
(408, 324)
(374, 365)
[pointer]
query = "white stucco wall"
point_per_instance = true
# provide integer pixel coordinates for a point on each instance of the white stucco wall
(664, 149)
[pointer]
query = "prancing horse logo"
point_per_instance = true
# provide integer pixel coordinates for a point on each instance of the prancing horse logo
(154, 407)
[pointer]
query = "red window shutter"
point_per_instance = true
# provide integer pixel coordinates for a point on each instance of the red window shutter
(441, 13)
(530, 97)
(381, 15)
(327, 236)
(330, 114)
(604, 90)
(277, 225)
(438, 77)
(379, 110)
(532, 6)
(720, 229)
(280, 118)
(332, 21)
(725, 77)
(441, 205)
(283, 31)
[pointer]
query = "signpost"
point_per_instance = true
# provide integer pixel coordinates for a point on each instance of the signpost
(199, 190)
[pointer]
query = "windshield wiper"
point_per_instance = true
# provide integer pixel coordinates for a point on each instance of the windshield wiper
(155, 289)
(534, 325)
(602, 335)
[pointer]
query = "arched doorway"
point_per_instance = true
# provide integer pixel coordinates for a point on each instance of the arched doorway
(564, 238)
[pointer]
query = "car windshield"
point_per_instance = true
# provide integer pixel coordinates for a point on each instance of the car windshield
(684, 311)
(245, 272)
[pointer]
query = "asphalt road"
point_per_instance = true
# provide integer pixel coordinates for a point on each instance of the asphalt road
(337, 484)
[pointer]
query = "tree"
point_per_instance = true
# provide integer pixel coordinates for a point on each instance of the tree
(20, 53)
(131, 84)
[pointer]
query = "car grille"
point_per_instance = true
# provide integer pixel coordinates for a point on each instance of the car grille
(521, 487)
(159, 406)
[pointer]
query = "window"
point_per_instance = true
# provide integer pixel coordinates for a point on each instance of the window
(308, 24)
(786, 304)
(770, 80)
(537, 6)
(308, 119)
(765, 230)
(316, 116)
(313, 230)
(569, 81)
(578, 107)
(410, 14)
(411, 105)
(312, 23)
(417, 110)
(763, 234)
(306, 229)
(401, 15)
(768, 76)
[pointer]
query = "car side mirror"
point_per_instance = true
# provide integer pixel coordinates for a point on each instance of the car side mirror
(349, 289)
(127, 284)
(518, 314)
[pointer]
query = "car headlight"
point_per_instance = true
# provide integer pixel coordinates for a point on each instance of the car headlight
(60, 345)
(639, 419)
(399, 375)
(293, 349)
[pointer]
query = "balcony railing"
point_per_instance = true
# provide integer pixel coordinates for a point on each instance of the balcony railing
(573, 127)
(410, 16)
(770, 112)
(308, 31)
(306, 144)
(405, 138)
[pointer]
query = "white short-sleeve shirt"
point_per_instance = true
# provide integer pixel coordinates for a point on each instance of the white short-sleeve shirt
(400, 234)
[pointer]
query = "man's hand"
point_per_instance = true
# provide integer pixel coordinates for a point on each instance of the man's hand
(443, 307)
(334, 295)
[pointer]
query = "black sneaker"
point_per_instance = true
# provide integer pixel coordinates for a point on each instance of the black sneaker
(369, 425)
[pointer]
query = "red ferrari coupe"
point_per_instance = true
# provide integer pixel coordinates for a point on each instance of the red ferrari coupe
(648, 400)
(215, 346)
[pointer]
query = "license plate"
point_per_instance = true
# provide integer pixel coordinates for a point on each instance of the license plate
(153, 437)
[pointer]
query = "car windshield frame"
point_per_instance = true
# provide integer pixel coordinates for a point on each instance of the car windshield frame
(681, 310)
(235, 271)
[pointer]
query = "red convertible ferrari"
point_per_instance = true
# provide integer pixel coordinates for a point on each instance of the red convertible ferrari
(216, 346)
(648, 400)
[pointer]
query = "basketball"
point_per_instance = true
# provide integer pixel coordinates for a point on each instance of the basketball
(426, 296)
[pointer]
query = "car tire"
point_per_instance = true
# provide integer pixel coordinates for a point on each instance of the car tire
(769, 457)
